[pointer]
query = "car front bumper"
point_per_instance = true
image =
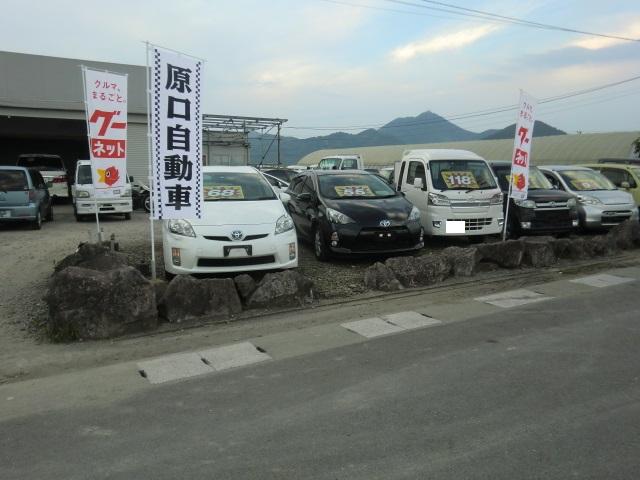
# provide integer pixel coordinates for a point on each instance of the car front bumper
(120, 205)
(354, 239)
(488, 223)
(187, 255)
(606, 216)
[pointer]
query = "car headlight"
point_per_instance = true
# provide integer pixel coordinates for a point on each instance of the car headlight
(181, 227)
(284, 224)
(438, 200)
(127, 192)
(414, 216)
(586, 200)
(337, 217)
(82, 194)
(525, 203)
(571, 203)
(497, 199)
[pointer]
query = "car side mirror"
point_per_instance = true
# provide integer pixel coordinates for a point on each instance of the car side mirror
(130, 178)
(625, 185)
(284, 197)
(417, 182)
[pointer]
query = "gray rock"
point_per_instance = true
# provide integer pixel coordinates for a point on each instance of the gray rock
(561, 247)
(507, 254)
(626, 235)
(282, 289)
(87, 304)
(160, 287)
(246, 285)
(539, 251)
(93, 256)
(419, 271)
(187, 298)
(463, 261)
(380, 277)
(600, 245)
(577, 249)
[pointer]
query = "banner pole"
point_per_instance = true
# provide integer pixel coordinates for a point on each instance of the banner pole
(93, 180)
(506, 215)
(151, 176)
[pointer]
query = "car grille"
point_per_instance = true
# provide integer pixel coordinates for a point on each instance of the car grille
(551, 205)
(372, 239)
(472, 224)
(615, 217)
(552, 218)
(222, 238)
(236, 262)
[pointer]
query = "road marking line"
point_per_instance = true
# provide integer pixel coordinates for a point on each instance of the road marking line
(230, 356)
(410, 320)
(372, 327)
(513, 298)
(602, 280)
(173, 367)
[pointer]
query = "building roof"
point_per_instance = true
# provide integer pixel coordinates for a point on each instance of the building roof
(558, 149)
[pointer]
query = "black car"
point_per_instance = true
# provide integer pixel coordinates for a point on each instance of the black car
(546, 210)
(352, 212)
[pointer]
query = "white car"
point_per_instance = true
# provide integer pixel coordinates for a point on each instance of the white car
(84, 201)
(245, 227)
(52, 169)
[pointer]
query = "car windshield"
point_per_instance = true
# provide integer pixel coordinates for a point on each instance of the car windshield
(41, 163)
(13, 181)
(236, 186)
(586, 180)
(461, 175)
(356, 185)
(84, 175)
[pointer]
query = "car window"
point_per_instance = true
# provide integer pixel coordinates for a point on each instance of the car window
(296, 185)
(307, 186)
(504, 174)
(416, 170)
(357, 185)
(37, 179)
(13, 181)
(616, 176)
(461, 175)
(329, 163)
(553, 180)
(84, 175)
(41, 163)
(586, 180)
(236, 186)
(349, 164)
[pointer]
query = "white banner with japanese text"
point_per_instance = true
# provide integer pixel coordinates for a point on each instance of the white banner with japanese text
(176, 135)
(106, 104)
(522, 146)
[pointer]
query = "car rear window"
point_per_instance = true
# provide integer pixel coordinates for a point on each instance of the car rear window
(41, 163)
(13, 181)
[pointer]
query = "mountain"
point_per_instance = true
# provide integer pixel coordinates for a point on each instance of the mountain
(540, 129)
(428, 127)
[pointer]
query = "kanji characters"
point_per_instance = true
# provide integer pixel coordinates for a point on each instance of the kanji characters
(178, 138)
(177, 167)
(178, 78)
(178, 196)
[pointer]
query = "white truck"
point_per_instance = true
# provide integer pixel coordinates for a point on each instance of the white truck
(455, 190)
(84, 200)
(341, 162)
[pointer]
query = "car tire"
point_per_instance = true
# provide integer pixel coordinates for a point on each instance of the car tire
(127, 216)
(49, 217)
(146, 203)
(320, 249)
(37, 223)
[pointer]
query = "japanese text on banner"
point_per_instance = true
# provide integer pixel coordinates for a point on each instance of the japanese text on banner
(176, 135)
(522, 146)
(106, 103)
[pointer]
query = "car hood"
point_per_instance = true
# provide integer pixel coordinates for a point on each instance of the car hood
(260, 212)
(548, 195)
(610, 197)
(369, 212)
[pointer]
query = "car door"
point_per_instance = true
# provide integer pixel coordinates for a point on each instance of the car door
(307, 203)
(295, 188)
(41, 191)
(418, 196)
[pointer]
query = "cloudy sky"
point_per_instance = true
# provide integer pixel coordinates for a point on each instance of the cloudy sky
(348, 63)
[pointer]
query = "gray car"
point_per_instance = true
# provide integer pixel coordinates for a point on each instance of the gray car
(600, 203)
(24, 197)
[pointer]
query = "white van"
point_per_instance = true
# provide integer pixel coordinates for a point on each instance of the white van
(455, 190)
(341, 162)
(84, 199)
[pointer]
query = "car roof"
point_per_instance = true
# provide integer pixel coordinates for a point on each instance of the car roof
(559, 168)
(443, 154)
(13, 167)
(340, 172)
(233, 169)
(621, 166)
(499, 163)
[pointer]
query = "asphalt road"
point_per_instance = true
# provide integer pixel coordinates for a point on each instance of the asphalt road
(549, 390)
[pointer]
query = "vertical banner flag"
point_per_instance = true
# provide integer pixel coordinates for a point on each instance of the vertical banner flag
(522, 146)
(176, 135)
(106, 102)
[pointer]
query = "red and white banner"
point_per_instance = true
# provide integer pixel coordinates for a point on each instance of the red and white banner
(106, 103)
(522, 146)
(176, 133)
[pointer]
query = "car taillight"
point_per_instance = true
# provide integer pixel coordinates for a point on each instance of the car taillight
(60, 179)
(32, 195)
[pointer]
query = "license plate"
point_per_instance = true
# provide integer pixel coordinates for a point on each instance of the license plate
(5, 213)
(238, 251)
(455, 226)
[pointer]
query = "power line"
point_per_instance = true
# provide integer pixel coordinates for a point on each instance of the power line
(473, 114)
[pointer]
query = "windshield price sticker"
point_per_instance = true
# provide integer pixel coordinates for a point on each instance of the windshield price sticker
(582, 183)
(354, 191)
(462, 179)
(223, 192)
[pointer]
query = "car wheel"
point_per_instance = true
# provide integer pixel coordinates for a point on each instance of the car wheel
(127, 216)
(37, 223)
(49, 217)
(146, 203)
(320, 248)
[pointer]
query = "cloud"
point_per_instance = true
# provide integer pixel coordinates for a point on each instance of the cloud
(443, 42)
(597, 43)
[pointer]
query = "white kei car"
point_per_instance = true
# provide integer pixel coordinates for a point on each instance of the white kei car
(244, 227)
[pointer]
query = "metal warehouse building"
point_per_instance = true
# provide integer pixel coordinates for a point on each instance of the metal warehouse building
(42, 111)
(559, 149)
